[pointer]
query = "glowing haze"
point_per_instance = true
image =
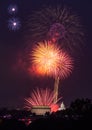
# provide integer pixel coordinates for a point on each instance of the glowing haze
(48, 59)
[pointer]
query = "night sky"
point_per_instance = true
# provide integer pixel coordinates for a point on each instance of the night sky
(16, 84)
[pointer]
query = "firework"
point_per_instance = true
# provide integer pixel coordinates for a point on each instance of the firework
(14, 24)
(41, 97)
(12, 9)
(48, 59)
(57, 24)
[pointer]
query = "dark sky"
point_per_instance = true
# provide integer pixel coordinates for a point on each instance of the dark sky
(15, 86)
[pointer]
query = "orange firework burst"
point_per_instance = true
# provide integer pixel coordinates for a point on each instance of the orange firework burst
(48, 59)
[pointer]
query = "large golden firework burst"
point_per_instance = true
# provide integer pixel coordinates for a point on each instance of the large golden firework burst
(48, 59)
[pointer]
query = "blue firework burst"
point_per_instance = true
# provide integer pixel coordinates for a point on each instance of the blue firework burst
(12, 9)
(14, 24)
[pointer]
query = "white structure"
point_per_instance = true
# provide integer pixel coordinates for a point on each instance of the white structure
(62, 106)
(40, 110)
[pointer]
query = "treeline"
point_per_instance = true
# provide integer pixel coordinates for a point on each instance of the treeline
(77, 116)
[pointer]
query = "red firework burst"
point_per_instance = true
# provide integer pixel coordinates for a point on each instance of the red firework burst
(41, 97)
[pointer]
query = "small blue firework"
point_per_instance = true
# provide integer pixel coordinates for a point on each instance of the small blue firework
(12, 9)
(14, 24)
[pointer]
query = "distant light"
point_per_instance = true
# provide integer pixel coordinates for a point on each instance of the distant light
(12, 9)
(14, 24)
